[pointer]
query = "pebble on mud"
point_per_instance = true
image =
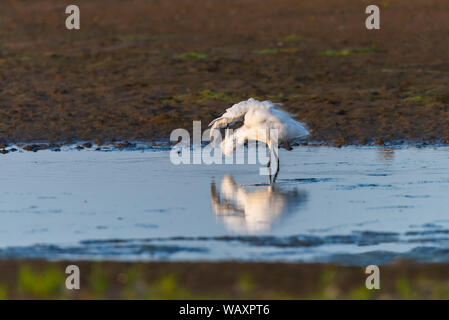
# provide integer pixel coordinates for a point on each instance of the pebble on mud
(339, 142)
(35, 147)
(67, 142)
(125, 144)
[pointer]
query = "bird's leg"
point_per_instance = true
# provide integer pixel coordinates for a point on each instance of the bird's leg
(269, 166)
(277, 170)
(274, 153)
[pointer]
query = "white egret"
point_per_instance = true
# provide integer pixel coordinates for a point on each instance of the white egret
(259, 119)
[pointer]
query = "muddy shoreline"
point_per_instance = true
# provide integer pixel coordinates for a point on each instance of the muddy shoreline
(164, 145)
(127, 77)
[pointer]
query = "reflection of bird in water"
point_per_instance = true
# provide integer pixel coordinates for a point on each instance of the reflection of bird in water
(259, 119)
(252, 211)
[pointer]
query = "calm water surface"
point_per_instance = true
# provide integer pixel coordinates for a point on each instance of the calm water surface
(353, 206)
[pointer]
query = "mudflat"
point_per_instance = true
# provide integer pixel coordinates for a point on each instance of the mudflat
(138, 70)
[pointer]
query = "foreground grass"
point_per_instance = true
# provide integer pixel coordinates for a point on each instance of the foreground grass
(156, 280)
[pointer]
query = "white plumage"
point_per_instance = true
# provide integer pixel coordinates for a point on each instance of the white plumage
(258, 119)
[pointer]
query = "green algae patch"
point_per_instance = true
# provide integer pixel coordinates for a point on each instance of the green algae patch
(276, 50)
(192, 55)
(214, 95)
(137, 37)
(292, 37)
(418, 100)
(347, 52)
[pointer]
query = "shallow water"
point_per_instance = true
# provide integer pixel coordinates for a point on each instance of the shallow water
(353, 206)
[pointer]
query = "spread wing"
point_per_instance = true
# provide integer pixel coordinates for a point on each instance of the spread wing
(231, 115)
(235, 113)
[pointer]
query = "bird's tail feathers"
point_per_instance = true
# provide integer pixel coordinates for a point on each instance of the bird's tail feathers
(303, 130)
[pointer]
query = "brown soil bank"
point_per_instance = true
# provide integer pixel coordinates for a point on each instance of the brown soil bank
(162, 280)
(138, 70)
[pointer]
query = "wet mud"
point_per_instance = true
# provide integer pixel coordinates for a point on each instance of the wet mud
(137, 71)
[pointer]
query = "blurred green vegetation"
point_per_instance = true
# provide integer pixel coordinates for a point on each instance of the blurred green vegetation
(98, 282)
(3, 292)
(115, 280)
(46, 284)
